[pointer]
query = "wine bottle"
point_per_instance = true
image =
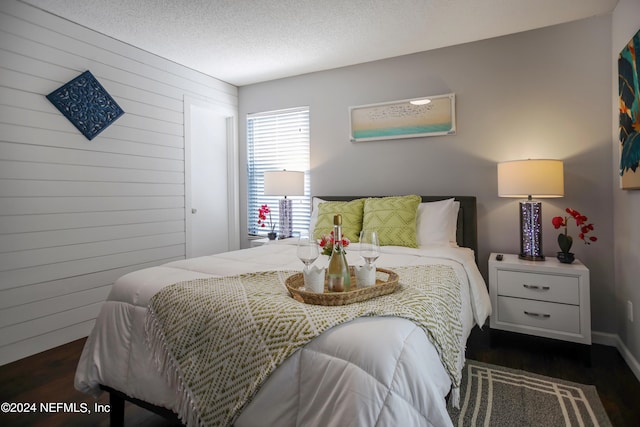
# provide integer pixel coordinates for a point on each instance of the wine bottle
(339, 277)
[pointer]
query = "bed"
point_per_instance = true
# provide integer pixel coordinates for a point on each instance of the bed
(369, 370)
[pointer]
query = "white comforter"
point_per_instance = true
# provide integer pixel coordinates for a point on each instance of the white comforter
(371, 371)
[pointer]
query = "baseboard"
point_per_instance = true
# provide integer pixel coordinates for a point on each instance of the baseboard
(604, 338)
(29, 347)
(613, 340)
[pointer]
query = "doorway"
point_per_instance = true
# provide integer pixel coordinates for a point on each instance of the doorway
(211, 182)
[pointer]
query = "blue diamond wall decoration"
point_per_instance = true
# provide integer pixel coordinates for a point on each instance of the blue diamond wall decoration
(86, 104)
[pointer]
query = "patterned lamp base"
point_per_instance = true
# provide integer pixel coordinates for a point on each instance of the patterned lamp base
(286, 218)
(531, 230)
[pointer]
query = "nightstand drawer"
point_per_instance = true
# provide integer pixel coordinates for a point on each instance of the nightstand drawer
(539, 314)
(542, 287)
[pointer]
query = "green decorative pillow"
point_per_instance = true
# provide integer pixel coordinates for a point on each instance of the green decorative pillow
(351, 218)
(394, 218)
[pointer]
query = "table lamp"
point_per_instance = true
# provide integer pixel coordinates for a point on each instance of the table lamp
(540, 178)
(284, 183)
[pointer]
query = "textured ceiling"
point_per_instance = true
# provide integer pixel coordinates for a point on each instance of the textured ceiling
(248, 41)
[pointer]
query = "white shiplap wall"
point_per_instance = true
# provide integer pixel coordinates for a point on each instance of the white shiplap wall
(77, 214)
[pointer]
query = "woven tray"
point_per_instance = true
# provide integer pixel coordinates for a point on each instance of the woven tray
(295, 284)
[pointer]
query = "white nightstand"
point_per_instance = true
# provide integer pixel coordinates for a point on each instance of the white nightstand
(543, 298)
(259, 242)
(264, 241)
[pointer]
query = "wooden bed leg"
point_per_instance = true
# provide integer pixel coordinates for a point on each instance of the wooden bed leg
(117, 400)
(586, 354)
(116, 403)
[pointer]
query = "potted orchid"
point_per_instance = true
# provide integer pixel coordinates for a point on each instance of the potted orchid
(262, 221)
(565, 241)
(327, 241)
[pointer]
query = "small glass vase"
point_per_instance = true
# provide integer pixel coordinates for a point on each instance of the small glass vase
(566, 257)
(272, 235)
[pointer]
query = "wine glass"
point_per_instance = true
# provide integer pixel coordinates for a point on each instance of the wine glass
(307, 251)
(369, 246)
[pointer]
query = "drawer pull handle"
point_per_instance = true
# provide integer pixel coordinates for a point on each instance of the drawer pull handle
(528, 313)
(544, 288)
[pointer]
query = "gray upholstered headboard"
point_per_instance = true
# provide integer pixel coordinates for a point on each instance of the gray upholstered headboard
(467, 230)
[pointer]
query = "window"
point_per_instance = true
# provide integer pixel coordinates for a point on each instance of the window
(277, 140)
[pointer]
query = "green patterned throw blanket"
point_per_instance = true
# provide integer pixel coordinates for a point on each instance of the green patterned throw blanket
(220, 338)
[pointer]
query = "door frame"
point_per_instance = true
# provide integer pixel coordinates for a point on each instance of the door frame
(233, 185)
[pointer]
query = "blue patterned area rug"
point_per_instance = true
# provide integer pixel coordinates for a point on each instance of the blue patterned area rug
(492, 395)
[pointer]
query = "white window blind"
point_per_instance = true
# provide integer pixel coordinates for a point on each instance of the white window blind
(277, 140)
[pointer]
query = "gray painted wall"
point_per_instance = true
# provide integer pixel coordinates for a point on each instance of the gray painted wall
(625, 23)
(538, 94)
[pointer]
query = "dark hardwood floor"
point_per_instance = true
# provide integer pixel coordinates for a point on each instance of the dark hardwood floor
(48, 377)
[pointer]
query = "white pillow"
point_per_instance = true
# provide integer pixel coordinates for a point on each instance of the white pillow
(453, 227)
(314, 214)
(436, 223)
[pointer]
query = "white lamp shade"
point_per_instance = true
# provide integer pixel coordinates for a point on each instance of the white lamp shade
(283, 183)
(538, 178)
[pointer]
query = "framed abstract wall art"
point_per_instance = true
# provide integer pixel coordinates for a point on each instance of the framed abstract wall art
(408, 118)
(629, 94)
(86, 104)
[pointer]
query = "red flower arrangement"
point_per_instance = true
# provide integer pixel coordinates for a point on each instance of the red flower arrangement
(564, 240)
(327, 242)
(262, 217)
